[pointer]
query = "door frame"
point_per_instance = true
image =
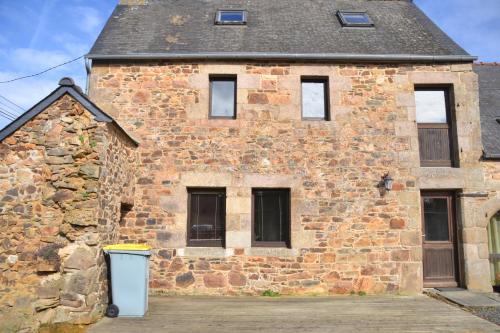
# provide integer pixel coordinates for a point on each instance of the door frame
(453, 227)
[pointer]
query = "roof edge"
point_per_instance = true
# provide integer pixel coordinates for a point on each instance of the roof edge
(134, 142)
(66, 86)
(285, 56)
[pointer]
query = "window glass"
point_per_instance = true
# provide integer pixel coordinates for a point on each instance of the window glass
(206, 216)
(271, 216)
(436, 219)
(431, 106)
(223, 97)
(314, 100)
(231, 16)
(356, 18)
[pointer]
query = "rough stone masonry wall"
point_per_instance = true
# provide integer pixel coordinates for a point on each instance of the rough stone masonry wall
(346, 235)
(491, 206)
(57, 209)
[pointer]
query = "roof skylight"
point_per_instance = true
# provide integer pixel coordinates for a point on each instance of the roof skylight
(231, 17)
(354, 19)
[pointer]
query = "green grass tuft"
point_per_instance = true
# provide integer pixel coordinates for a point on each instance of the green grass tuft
(270, 293)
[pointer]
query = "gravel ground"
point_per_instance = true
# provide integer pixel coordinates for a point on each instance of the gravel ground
(489, 313)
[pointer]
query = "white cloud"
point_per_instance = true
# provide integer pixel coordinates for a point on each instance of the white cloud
(40, 43)
(22, 14)
(24, 93)
(28, 92)
(71, 44)
(64, 37)
(37, 59)
(474, 27)
(90, 19)
(42, 21)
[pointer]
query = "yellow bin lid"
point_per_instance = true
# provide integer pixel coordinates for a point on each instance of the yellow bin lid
(128, 247)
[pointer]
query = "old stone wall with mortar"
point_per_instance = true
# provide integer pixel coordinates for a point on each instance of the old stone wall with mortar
(491, 206)
(347, 236)
(62, 176)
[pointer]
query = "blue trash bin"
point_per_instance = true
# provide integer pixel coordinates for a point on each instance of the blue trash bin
(129, 279)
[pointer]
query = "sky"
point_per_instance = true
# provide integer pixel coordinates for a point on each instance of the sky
(38, 34)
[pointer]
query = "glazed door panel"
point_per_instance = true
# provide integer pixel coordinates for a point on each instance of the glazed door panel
(439, 240)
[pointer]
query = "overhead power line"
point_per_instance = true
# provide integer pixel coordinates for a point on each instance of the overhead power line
(8, 100)
(9, 108)
(7, 111)
(42, 72)
(2, 116)
(6, 115)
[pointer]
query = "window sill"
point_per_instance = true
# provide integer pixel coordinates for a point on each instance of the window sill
(437, 165)
(204, 252)
(218, 252)
(315, 119)
(221, 117)
(449, 168)
(271, 252)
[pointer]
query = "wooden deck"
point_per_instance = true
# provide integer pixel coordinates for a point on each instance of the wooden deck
(297, 314)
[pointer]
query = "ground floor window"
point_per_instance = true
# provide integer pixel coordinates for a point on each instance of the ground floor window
(206, 216)
(271, 217)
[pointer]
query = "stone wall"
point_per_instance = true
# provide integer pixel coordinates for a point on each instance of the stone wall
(491, 206)
(346, 234)
(62, 176)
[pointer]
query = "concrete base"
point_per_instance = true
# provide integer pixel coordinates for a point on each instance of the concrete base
(466, 298)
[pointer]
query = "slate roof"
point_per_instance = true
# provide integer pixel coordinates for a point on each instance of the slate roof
(301, 29)
(489, 103)
(66, 86)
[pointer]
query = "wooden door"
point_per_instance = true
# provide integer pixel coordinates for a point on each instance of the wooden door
(439, 241)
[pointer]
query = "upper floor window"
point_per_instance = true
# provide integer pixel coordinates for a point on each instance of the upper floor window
(223, 97)
(354, 19)
(231, 17)
(434, 126)
(315, 100)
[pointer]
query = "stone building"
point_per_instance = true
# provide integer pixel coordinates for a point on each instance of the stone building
(266, 128)
(489, 101)
(66, 169)
(321, 147)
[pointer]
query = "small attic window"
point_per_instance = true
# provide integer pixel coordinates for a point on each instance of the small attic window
(354, 19)
(231, 17)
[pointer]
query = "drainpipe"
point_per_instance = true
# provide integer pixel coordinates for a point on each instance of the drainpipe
(88, 68)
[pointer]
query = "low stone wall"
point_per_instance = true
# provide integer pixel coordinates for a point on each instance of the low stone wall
(57, 210)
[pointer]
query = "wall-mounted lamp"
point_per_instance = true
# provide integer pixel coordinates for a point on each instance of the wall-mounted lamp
(388, 181)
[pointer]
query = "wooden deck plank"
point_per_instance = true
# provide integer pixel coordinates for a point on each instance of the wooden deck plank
(293, 314)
